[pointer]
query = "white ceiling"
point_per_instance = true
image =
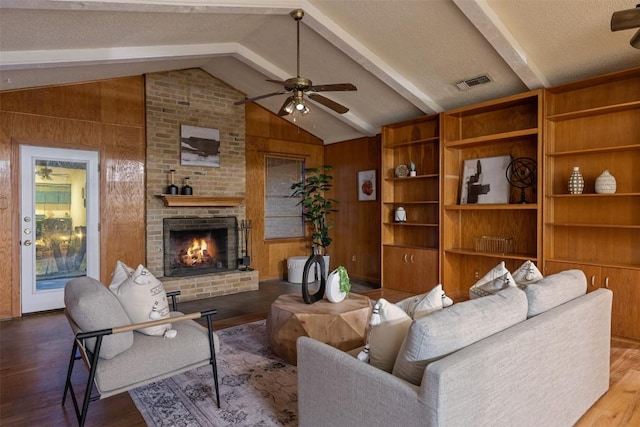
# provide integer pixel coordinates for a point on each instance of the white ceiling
(405, 56)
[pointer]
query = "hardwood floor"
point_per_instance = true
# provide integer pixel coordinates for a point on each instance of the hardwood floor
(34, 353)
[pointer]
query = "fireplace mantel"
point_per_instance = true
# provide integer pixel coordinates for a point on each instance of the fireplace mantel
(200, 201)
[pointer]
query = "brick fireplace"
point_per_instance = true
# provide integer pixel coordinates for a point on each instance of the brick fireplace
(193, 97)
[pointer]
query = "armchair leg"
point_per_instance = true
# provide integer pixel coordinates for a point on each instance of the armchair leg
(72, 360)
(214, 365)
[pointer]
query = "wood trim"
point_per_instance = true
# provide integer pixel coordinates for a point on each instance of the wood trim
(199, 201)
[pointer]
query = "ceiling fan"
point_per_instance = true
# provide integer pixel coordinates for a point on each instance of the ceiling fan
(626, 19)
(299, 86)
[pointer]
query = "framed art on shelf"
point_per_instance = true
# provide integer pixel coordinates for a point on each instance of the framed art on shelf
(367, 185)
(484, 181)
(199, 146)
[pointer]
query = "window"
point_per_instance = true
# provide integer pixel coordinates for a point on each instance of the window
(283, 214)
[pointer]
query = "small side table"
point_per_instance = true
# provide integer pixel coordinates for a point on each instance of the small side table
(342, 325)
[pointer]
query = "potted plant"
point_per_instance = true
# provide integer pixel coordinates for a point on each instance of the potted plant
(316, 207)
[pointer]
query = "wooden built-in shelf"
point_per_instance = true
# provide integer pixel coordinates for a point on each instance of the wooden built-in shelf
(407, 178)
(433, 139)
(471, 252)
(492, 139)
(410, 224)
(487, 207)
(200, 201)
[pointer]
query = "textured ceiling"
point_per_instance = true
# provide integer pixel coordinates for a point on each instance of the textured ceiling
(404, 56)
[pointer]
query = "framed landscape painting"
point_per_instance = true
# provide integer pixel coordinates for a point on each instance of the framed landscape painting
(199, 146)
(484, 181)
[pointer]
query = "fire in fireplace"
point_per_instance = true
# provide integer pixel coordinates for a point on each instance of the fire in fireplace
(195, 246)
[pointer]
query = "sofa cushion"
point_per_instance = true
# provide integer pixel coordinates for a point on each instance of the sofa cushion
(92, 307)
(141, 294)
(446, 331)
(554, 290)
(527, 273)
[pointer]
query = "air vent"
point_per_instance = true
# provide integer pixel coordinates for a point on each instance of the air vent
(475, 81)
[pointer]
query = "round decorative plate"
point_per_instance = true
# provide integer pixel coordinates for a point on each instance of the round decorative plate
(402, 171)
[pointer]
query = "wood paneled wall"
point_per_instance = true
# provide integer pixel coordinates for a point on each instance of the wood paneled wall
(269, 134)
(356, 232)
(105, 116)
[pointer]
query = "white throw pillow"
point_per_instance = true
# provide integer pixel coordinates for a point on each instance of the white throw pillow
(495, 280)
(385, 338)
(121, 273)
(141, 294)
(390, 323)
(424, 304)
(526, 274)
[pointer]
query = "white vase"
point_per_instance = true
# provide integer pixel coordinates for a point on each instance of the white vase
(606, 183)
(332, 291)
(576, 181)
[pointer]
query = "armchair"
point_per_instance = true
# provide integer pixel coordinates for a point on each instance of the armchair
(119, 358)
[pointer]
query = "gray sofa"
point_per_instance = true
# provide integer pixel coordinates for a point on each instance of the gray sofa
(546, 370)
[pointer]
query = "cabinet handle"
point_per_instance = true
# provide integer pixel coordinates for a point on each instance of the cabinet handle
(606, 282)
(405, 258)
(593, 281)
(412, 259)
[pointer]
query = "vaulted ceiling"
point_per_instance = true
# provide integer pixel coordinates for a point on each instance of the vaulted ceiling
(405, 57)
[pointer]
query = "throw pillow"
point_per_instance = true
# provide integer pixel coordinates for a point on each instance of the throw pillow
(121, 273)
(424, 304)
(390, 322)
(527, 273)
(495, 280)
(143, 298)
(554, 290)
(385, 337)
(446, 331)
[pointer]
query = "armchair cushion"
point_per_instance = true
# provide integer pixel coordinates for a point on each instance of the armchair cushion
(152, 358)
(92, 307)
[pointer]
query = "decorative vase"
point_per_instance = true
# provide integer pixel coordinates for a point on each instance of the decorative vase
(606, 183)
(333, 292)
(576, 181)
(400, 215)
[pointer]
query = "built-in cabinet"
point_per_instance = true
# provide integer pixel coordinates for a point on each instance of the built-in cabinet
(594, 125)
(512, 127)
(410, 240)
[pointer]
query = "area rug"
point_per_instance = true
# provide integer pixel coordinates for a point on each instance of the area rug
(257, 388)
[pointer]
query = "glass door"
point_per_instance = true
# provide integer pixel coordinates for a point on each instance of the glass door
(59, 221)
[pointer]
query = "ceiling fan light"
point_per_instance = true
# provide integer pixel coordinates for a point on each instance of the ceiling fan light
(305, 110)
(635, 40)
(290, 107)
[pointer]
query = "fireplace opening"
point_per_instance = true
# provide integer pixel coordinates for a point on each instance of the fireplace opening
(195, 246)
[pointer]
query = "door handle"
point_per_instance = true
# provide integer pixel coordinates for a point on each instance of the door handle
(606, 282)
(412, 259)
(593, 281)
(405, 258)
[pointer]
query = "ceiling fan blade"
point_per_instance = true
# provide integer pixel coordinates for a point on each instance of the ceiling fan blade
(280, 82)
(255, 98)
(340, 109)
(282, 111)
(333, 87)
(625, 19)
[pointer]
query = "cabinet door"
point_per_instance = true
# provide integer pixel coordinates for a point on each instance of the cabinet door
(397, 273)
(423, 266)
(625, 316)
(593, 273)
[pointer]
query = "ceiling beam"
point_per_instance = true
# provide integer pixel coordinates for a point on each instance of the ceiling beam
(497, 34)
(359, 53)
